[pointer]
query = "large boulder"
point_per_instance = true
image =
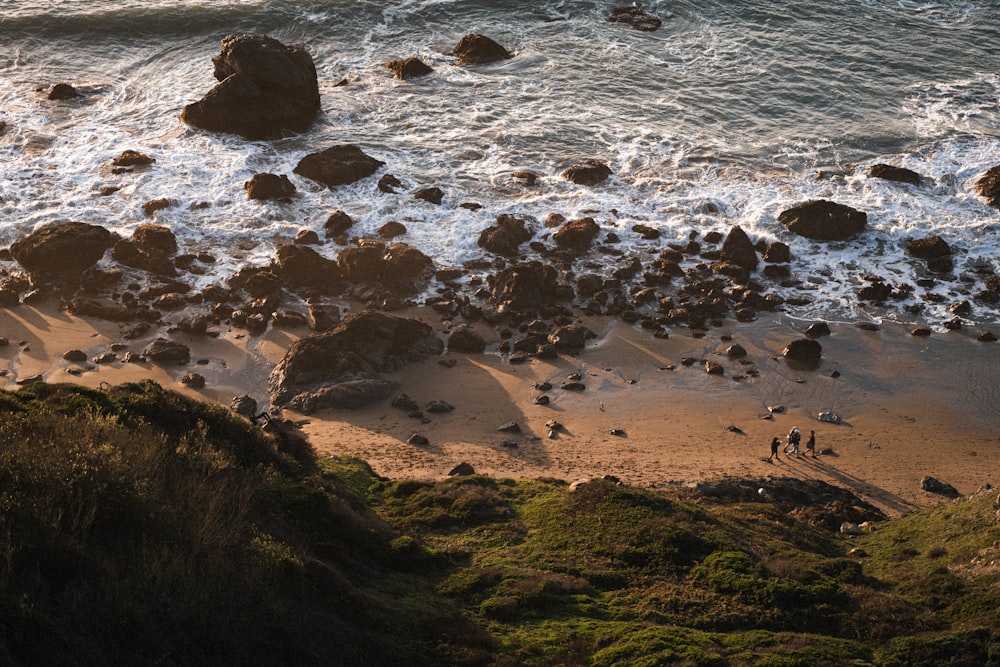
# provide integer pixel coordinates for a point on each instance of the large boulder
(988, 186)
(476, 49)
(739, 249)
(823, 220)
(408, 68)
(891, 173)
(588, 172)
(524, 286)
(577, 235)
(931, 247)
(340, 367)
(399, 266)
(338, 165)
(301, 266)
(265, 90)
(62, 251)
(506, 236)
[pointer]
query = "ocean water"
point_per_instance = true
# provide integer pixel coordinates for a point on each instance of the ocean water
(722, 117)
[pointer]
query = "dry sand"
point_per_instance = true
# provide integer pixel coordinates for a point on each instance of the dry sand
(910, 406)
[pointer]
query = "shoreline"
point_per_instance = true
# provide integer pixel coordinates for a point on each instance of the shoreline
(910, 406)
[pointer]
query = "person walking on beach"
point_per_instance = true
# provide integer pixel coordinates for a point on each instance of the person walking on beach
(775, 443)
(794, 437)
(811, 444)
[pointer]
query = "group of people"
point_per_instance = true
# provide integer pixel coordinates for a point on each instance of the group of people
(792, 441)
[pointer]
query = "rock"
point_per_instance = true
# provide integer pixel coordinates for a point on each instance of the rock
(570, 337)
(9, 298)
(635, 17)
(61, 251)
(418, 440)
(475, 49)
(193, 380)
(244, 406)
(850, 528)
(306, 237)
(339, 367)
(739, 249)
(509, 427)
(433, 195)
(777, 253)
(265, 90)
(154, 205)
(406, 269)
(75, 356)
(931, 247)
(301, 266)
(921, 331)
(588, 172)
(166, 351)
(391, 230)
(63, 91)
(524, 286)
(577, 235)
(988, 186)
(405, 403)
(714, 368)
(388, 184)
(986, 336)
(338, 165)
(735, 351)
(505, 237)
(890, 173)
(408, 68)
(462, 469)
(152, 239)
(269, 186)
(803, 350)
(932, 485)
(858, 552)
(130, 158)
(464, 339)
(322, 317)
(439, 406)
(337, 224)
(817, 330)
(829, 417)
(823, 220)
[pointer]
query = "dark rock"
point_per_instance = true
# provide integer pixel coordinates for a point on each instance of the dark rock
(9, 298)
(988, 186)
(269, 186)
(301, 266)
(474, 49)
(389, 183)
(439, 407)
(193, 380)
(898, 174)
(155, 239)
(577, 235)
(817, 330)
(920, 331)
(63, 91)
(462, 469)
(933, 485)
(714, 368)
(244, 406)
(524, 286)
(338, 165)
(570, 337)
(323, 318)
(986, 336)
(405, 403)
(406, 269)
(509, 427)
(166, 351)
(635, 17)
(823, 220)
(803, 350)
(408, 68)
(931, 247)
(339, 367)
(735, 351)
(154, 205)
(265, 90)
(130, 158)
(432, 194)
(61, 251)
(362, 263)
(391, 230)
(337, 224)
(465, 339)
(777, 253)
(646, 232)
(418, 440)
(505, 237)
(306, 237)
(256, 281)
(588, 172)
(739, 249)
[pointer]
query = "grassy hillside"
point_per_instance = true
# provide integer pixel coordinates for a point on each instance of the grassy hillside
(140, 527)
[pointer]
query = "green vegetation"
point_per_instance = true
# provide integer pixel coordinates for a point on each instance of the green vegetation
(140, 527)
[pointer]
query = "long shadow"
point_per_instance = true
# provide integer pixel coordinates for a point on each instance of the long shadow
(860, 486)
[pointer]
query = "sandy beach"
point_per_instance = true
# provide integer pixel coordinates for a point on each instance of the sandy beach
(908, 406)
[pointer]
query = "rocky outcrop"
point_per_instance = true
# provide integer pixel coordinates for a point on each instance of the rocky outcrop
(525, 286)
(269, 186)
(890, 173)
(408, 68)
(988, 186)
(340, 368)
(577, 235)
(301, 266)
(476, 49)
(506, 236)
(338, 165)
(62, 251)
(823, 220)
(399, 266)
(739, 249)
(265, 90)
(588, 172)
(931, 247)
